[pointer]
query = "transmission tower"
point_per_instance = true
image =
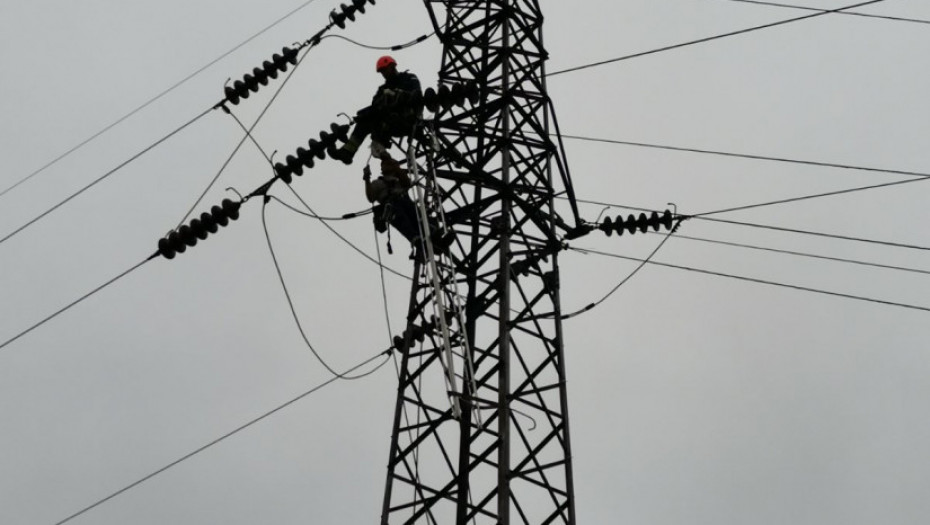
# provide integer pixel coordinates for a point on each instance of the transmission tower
(481, 430)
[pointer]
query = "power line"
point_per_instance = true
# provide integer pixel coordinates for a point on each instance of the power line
(626, 279)
(708, 39)
(771, 227)
(749, 156)
(290, 302)
(229, 434)
(342, 237)
(154, 99)
(918, 177)
(104, 176)
(85, 296)
(759, 281)
(800, 254)
(396, 47)
(808, 197)
(806, 8)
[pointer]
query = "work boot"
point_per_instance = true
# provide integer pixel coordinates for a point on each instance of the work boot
(442, 239)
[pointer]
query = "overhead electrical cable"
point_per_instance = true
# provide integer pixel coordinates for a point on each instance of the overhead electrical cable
(344, 217)
(104, 176)
(757, 281)
(75, 302)
(771, 227)
(808, 197)
(397, 47)
(155, 98)
(626, 279)
(343, 238)
(251, 82)
(710, 38)
(750, 156)
(798, 254)
(290, 302)
(231, 433)
(850, 13)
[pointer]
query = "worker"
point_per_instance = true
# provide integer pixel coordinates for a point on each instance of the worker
(395, 207)
(393, 112)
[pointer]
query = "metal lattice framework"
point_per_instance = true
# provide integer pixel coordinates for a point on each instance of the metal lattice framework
(481, 423)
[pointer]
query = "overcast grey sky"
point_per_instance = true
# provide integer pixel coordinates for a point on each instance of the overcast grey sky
(695, 399)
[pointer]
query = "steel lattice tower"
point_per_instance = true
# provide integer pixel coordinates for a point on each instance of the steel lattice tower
(481, 429)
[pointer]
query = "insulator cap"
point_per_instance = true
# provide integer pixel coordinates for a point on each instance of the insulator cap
(231, 208)
(199, 229)
(187, 235)
(318, 149)
(165, 249)
(306, 157)
(294, 165)
(430, 100)
(241, 89)
(471, 92)
(260, 75)
(270, 69)
(458, 95)
(231, 95)
(341, 131)
(348, 11)
(219, 216)
(176, 243)
(445, 96)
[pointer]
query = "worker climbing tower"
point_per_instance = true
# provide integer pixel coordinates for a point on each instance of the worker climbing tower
(481, 430)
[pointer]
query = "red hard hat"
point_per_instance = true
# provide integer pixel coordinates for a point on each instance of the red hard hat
(384, 62)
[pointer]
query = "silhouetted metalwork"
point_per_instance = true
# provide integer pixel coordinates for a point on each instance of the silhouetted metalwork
(481, 430)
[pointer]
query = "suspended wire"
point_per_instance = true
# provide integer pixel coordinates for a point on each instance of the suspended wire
(345, 217)
(384, 297)
(343, 239)
(758, 281)
(708, 39)
(750, 156)
(73, 303)
(626, 279)
(817, 234)
(155, 98)
(770, 227)
(808, 197)
(806, 8)
(800, 254)
(290, 302)
(230, 434)
(397, 47)
(104, 176)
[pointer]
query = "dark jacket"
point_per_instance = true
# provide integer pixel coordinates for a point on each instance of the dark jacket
(406, 87)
